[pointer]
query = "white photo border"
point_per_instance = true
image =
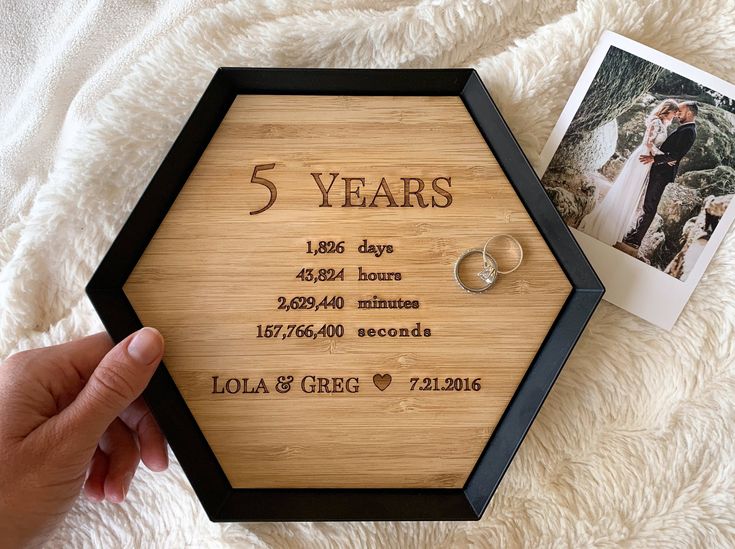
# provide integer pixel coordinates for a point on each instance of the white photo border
(630, 283)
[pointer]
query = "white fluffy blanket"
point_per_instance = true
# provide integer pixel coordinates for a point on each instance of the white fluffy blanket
(635, 445)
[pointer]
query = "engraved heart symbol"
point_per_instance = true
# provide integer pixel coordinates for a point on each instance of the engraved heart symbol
(382, 381)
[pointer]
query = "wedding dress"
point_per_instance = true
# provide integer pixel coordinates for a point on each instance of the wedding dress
(615, 214)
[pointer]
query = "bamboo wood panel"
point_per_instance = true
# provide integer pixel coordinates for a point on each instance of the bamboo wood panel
(214, 272)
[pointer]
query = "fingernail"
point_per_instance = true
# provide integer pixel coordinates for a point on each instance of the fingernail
(126, 485)
(145, 345)
(92, 495)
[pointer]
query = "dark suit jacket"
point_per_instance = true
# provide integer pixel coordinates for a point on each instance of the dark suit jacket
(674, 148)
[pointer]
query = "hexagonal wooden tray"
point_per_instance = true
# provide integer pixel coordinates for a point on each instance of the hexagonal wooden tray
(294, 202)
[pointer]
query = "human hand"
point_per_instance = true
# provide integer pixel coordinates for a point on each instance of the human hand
(72, 412)
(646, 158)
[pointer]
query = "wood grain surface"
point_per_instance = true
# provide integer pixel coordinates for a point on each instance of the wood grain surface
(213, 273)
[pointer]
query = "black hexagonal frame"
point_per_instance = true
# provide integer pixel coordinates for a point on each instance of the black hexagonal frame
(221, 501)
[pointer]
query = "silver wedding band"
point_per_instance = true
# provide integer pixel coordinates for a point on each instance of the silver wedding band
(514, 242)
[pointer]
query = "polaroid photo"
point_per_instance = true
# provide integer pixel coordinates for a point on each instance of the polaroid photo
(641, 166)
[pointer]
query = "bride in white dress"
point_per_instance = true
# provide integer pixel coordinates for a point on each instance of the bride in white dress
(614, 215)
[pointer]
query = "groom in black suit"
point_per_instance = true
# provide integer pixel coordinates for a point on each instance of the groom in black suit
(663, 172)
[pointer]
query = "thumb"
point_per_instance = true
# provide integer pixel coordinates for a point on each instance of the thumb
(114, 384)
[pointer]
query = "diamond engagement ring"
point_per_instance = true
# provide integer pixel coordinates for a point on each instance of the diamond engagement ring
(488, 274)
(490, 271)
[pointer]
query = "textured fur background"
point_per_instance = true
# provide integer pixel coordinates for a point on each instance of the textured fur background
(635, 445)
